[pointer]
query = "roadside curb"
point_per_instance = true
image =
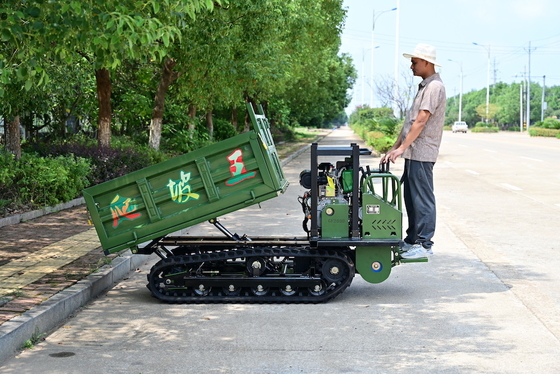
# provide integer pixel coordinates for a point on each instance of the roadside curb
(49, 314)
(27, 216)
(295, 154)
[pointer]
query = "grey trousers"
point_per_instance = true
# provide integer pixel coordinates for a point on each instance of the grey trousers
(420, 202)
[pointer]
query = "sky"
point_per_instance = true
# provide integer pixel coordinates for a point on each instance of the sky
(503, 30)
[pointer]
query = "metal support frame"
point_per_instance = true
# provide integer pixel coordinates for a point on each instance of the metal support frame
(352, 151)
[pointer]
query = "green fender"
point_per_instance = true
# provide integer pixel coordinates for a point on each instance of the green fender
(374, 263)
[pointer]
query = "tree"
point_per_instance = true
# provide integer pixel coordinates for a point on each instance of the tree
(104, 32)
(507, 99)
(12, 134)
(400, 98)
(488, 112)
(149, 56)
(316, 86)
(168, 76)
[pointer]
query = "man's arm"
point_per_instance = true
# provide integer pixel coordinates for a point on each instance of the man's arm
(402, 144)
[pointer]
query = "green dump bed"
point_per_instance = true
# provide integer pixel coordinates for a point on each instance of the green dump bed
(187, 190)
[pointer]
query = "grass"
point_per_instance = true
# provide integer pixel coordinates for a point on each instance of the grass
(105, 260)
(304, 133)
(302, 136)
(35, 338)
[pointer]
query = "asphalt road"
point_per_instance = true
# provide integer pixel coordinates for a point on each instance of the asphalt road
(485, 303)
(500, 194)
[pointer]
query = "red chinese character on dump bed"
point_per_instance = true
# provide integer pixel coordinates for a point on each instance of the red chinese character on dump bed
(237, 168)
(121, 209)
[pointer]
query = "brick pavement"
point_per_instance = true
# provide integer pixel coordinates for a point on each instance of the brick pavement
(43, 256)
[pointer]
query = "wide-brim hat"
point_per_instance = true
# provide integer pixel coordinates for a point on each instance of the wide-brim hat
(425, 52)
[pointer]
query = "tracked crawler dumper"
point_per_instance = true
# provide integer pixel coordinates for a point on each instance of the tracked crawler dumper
(352, 222)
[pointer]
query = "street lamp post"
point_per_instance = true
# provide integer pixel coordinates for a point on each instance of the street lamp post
(487, 47)
(363, 77)
(397, 38)
(460, 89)
(521, 106)
(543, 103)
(373, 48)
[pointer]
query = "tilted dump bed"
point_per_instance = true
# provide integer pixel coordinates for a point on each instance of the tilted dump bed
(187, 190)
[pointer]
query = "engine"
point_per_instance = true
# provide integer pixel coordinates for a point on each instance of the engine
(334, 196)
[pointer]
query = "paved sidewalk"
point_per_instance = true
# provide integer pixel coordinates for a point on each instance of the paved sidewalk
(19, 273)
(43, 256)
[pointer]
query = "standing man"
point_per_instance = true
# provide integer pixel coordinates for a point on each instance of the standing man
(419, 143)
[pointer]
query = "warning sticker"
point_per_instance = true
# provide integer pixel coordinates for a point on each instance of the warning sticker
(372, 209)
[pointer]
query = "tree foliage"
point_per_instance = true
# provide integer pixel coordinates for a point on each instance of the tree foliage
(106, 59)
(38, 34)
(506, 105)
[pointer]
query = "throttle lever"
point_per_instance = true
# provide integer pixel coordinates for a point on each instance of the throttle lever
(384, 167)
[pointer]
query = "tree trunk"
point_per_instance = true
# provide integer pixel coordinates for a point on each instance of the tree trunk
(167, 77)
(104, 87)
(210, 124)
(192, 120)
(13, 137)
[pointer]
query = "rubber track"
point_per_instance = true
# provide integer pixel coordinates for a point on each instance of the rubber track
(180, 297)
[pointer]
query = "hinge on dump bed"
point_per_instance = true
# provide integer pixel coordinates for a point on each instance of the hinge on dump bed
(228, 233)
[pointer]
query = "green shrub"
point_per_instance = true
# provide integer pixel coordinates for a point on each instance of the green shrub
(223, 129)
(7, 175)
(378, 134)
(182, 140)
(46, 181)
(537, 131)
(551, 123)
(7, 162)
(36, 182)
(484, 127)
(548, 123)
(382, 145)
(389, 126)
(106, 162)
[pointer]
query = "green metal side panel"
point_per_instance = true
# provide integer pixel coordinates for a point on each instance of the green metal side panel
(184, 191)
(380, 220)
(334, 221)
(262, 127)
(374, 263)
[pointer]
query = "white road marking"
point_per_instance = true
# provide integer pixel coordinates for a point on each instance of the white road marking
(531, 159)
(472, 172)
(514, 188)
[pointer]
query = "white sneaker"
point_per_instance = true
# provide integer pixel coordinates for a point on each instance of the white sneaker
(417, 251)
(405, 247)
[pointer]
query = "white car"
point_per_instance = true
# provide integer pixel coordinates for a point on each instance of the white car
(459, 126)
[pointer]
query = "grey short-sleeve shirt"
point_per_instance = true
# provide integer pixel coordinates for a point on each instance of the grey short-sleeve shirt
(431, 97)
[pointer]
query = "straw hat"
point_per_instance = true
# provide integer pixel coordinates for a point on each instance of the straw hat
(425, 52)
